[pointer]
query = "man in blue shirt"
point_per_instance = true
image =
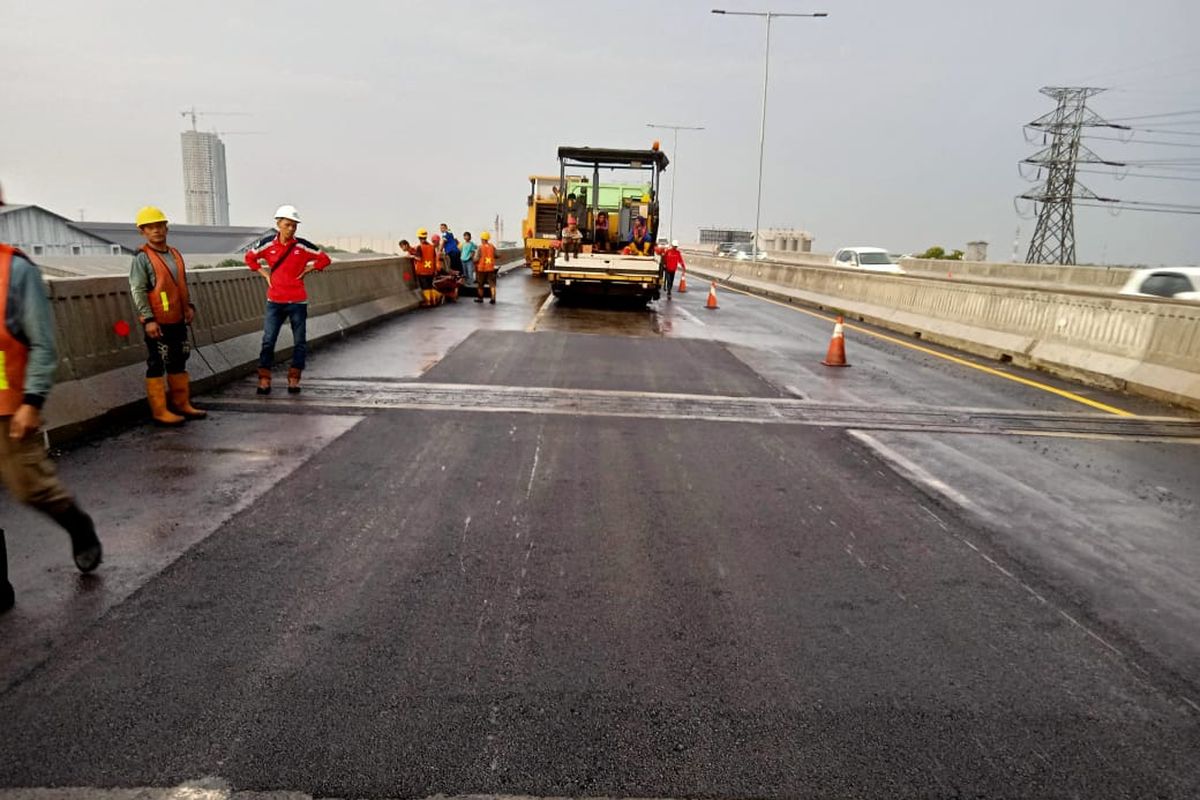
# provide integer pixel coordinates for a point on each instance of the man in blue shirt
(450, 248)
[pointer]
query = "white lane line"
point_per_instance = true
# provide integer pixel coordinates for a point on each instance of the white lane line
(541, 312)
(691, 316)
(533, 471)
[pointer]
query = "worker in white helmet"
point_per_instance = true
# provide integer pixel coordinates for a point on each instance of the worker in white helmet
(285, 261)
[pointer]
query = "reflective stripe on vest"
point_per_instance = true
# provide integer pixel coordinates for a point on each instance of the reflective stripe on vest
(14, 354)
(169, 296)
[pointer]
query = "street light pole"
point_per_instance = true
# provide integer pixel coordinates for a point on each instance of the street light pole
(762, 133)
(674, 156)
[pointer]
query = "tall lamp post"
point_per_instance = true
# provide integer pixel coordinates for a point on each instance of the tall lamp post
(674, 151)
(762, 135)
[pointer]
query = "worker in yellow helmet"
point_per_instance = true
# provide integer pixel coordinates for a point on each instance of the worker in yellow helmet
(159, 291)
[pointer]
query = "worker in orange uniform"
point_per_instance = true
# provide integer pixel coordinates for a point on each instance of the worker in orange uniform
(485, 271)
(26, 375)
(426, 266)
(289, 260)
(159, 290)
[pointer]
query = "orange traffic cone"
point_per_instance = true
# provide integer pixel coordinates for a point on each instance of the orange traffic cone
(682, 280)
(712, 296)
(836, 357)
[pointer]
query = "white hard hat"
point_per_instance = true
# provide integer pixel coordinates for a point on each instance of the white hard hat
(674, 243)
(287, 212)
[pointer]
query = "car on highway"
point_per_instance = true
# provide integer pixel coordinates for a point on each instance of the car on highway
(873, 259)
(747, 253)
(726, 249)
(1176, 283)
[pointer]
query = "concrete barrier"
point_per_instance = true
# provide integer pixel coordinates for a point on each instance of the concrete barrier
(1143, 345)
(1099, 278)
(100, 373)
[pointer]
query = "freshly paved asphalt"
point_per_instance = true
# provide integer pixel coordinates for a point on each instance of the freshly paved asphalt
(399, 603)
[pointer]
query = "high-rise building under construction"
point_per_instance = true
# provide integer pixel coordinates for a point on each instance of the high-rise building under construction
(205, 188)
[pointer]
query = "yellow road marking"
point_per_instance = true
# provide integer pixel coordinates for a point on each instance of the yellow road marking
(1120, 412)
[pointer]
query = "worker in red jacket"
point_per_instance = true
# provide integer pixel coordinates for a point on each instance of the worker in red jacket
(672, 260)
(285, 261)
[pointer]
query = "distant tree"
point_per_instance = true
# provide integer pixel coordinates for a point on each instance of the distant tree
(232, 262)
(957, 255)
(934, 253)
(328, 248)
(366, 250)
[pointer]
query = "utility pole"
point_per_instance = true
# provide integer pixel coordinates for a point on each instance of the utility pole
(762, 132)
(1053, 240)
(674, 157)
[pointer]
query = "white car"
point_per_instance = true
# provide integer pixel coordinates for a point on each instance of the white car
(1177, 283)
(874, 259)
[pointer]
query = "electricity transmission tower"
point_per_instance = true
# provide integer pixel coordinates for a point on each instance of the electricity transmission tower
(1053, 240)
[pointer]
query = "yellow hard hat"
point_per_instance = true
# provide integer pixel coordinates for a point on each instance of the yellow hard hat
(485, 236)
(422, 232)
(645, 198)
(149, 215)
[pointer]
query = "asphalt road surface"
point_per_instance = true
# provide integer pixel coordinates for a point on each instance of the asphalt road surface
(551, 550)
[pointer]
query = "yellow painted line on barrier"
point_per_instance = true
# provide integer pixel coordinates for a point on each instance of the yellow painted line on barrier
(1120, 412)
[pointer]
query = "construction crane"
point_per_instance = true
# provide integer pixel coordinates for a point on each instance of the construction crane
(193, 113)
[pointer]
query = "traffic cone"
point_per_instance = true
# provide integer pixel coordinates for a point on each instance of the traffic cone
(712, 296)
(682, 280)
(836, 357)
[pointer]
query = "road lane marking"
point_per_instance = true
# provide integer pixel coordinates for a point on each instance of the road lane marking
(1120, 412)
(541, 312)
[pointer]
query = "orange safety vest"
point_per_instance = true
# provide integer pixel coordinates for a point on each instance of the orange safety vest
(487, 258)
(427, 259)
(169, 297)
(14, 354)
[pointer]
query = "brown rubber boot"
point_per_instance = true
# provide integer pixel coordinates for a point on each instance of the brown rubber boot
(156, 393)
(181, 396)
(293, 381)
(264, 380)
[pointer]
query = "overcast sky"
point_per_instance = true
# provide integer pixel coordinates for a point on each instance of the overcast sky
(895, 123)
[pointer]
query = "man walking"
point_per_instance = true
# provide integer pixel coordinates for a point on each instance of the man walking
(159, 290)
(486, 271)
(672, 260)
(288, 260)
(28, 359)
(425, 258)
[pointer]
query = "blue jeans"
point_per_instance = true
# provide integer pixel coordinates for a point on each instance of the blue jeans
(273, 319)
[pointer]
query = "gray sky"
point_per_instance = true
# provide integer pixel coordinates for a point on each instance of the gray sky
(892, 123)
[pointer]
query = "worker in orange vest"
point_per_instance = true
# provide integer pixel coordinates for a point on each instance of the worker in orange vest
(28, 360)
(485, 271)
(159, 291)
(426, 260)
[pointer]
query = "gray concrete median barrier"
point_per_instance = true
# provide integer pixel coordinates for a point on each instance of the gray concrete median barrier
(100, 373)
(1145, 346)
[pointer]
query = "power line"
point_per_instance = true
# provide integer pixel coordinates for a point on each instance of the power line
(1124, 207)
(1134, 175)
(1136, 141)
(1158, 116)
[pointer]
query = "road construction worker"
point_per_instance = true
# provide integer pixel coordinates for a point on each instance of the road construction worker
(451, 249)
(158, 287)
(485, 272)
(572, 239)
(641, 245)
(289, 260)
(28, 359)
(425, 264)
(672, 260)
(470, 252)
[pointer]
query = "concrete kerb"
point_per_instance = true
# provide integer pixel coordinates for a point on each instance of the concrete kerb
(79, 406)
(1180, 386)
